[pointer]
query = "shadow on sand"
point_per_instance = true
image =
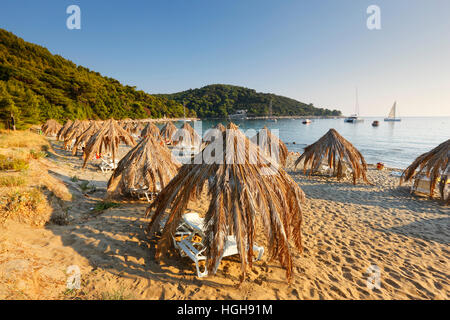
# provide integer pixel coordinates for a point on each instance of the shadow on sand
(437, 230)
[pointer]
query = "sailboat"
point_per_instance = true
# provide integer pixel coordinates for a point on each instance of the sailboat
(271, 118)
(391, 116)
(354, 117)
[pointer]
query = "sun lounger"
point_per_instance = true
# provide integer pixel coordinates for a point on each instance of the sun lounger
(108, 165)
(421, 184)
(144, 192)
(191, 225)
(326, 170)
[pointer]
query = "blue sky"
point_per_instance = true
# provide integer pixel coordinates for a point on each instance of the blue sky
(313, 51)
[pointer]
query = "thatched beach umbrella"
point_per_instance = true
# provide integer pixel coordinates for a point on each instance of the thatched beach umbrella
(149, 163)
(84, 137)
(63, 130)
(76, 129)
(337, 152)
(168, 131)
(107, 138)
(186, 136)
(271, 144)
(245, 186)
(213, 132)
(51, 127)
(432, 164)
(151, 130)
(139, 126)
(130, 127)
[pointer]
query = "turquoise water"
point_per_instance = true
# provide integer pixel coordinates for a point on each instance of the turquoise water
(396, 144)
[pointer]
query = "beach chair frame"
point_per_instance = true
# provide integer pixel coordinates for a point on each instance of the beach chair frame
(191, 225)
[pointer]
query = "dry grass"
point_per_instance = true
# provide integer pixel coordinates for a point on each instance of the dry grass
(12, 181)
(22, 139)
(25, 205)
(24, 179)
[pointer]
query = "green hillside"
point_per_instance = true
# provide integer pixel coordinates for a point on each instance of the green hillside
(220, 100)
(36, 85)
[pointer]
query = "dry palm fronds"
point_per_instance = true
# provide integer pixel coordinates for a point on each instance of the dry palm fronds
(244, 186)
(51, 127)
(107, 138)
(146, 165)
(186, 136)
(76, 129)
(433, 164)
(151, 130)
(63, 130)
(139, 127)
(168, 131)
(213, 132)
(272, 145)
(130, 127)
(83, 138)
(337, 152)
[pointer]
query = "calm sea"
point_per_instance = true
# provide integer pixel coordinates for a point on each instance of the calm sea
(396, 144)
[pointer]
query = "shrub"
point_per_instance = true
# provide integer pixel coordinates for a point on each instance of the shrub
(11, 181)
(104, 205)
(17, 164)
(37, 154)
(27, 206)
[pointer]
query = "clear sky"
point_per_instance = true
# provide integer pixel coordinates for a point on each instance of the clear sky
(313, 51)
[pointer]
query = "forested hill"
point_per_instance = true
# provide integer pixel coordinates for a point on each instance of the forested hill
(220, 100)
(36, 85)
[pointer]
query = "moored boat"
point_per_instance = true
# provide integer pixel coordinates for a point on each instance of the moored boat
(391, 116)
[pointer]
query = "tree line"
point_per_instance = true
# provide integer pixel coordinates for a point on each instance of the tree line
(36, 85)
(219, 100)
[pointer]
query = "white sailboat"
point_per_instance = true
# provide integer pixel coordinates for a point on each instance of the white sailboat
(391, 116)
(271, 118)
(354, 117)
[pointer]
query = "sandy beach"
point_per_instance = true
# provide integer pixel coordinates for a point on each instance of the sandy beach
(346, 229)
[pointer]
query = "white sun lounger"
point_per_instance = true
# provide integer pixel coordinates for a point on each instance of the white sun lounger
(192, 224)
(144, 192)
(108, 165)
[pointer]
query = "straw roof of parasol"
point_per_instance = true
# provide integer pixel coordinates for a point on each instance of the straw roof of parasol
(432, 164)
(186, 136)
(51, 127)
(76, 129)
(139, 126)
(84, 137)
(213, 132)
(107, 138)
(151, 129)
(168, 131)
(64, 128)
(245, 186)
(336, 151)
(272, 145)
(130, 127)
(147, 164)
